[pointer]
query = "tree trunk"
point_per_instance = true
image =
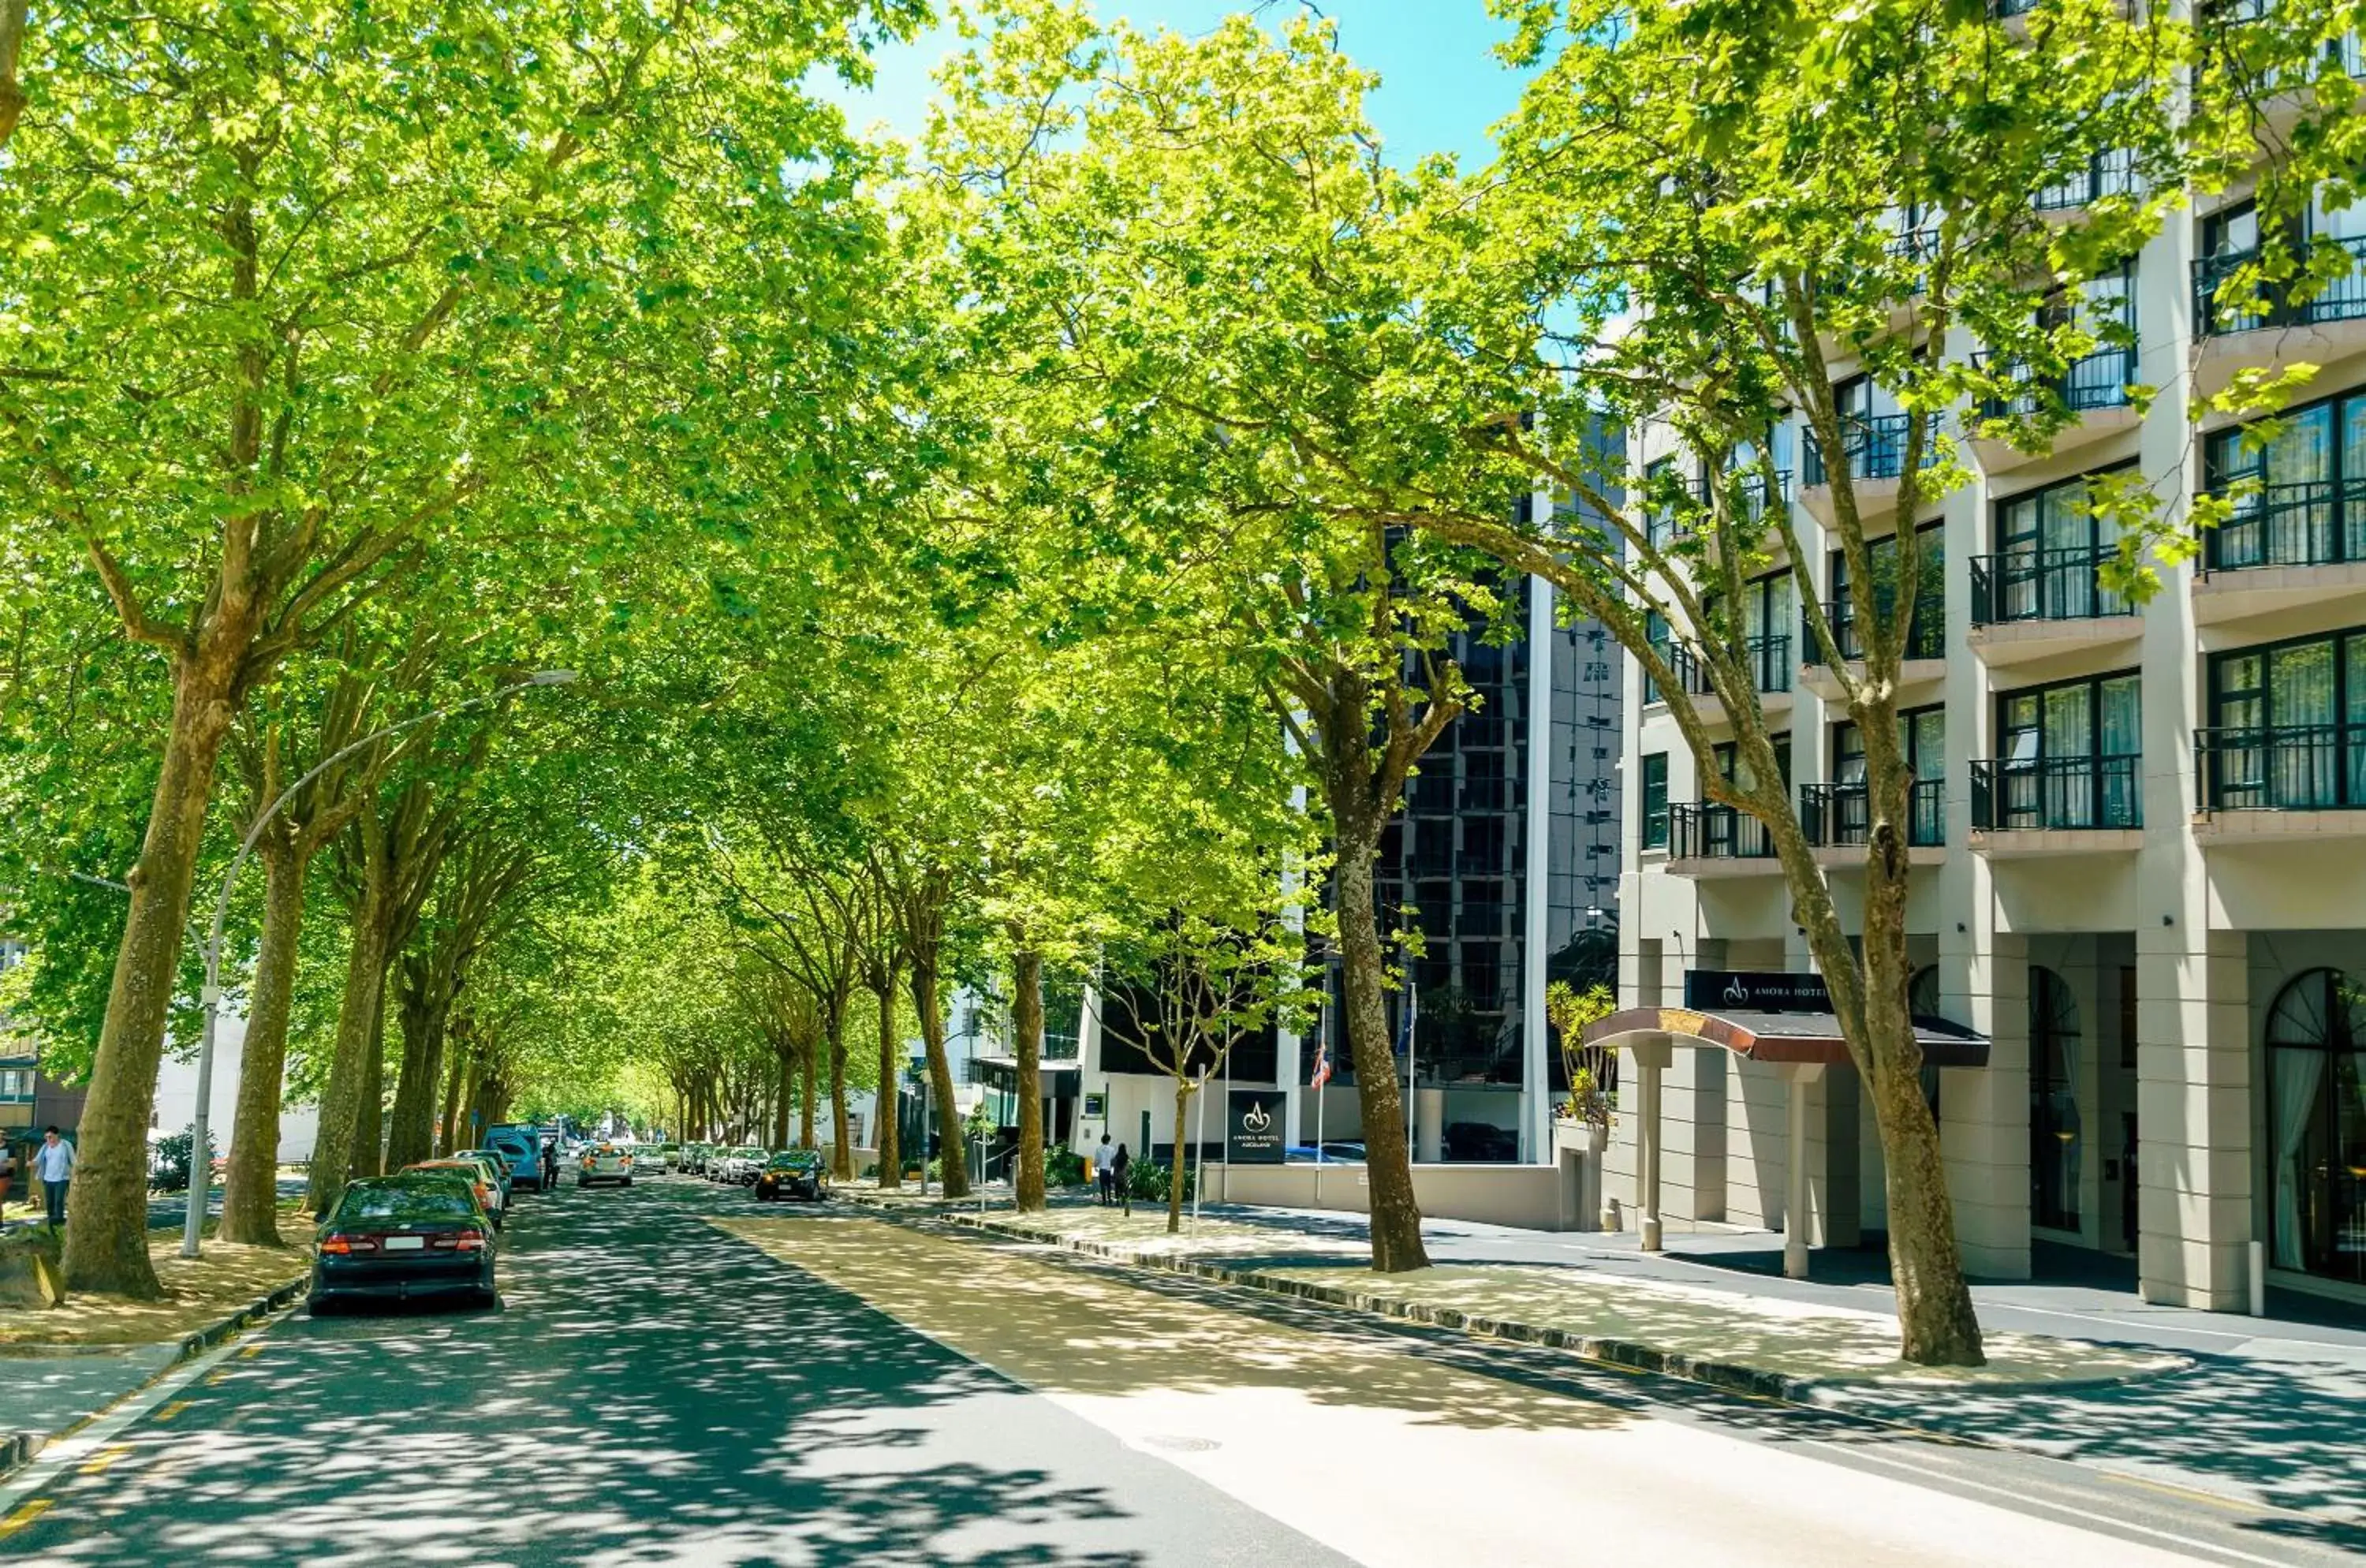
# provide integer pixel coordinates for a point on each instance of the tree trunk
(1175, 1171)
(424, 1008)
(805, 1096)
(940, 1080)
(891, 1098)
(1388, 1168)
(250, 1186)
(370, 1115)
(1027, 1018)
(456, 1075)
(107, 1240)
(340, 1098)
(841, 1157)
(787, 1061)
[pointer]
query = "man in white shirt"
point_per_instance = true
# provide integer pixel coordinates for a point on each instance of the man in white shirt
(53, 1164)
(1105, 1170)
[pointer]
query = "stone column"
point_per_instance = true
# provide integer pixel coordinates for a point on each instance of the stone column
(1796, 1223)
(1984, 1111)
(1652, 1059)
(2193, 1117)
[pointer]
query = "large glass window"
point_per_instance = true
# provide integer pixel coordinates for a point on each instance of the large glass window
(2317, 1067)
(1769, 610)
(2297, 487)
(1655, 801)
(1929, 635)
(2053, 1130)
(1923, 736)
(2049, 545)
(2070, 756)
(2288, 730)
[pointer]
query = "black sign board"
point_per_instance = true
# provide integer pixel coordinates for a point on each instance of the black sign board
(1254, 1135)
(1755, 990)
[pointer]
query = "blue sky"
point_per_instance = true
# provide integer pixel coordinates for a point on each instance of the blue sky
(1441, 88)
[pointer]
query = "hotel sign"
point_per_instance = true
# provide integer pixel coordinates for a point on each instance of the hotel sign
(1755, 990)
(1256, 1133)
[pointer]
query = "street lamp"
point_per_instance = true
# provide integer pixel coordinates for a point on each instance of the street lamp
(201, 1166)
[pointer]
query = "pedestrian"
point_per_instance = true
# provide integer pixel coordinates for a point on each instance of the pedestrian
(1121, 1170)
(1104, 1167)
(53, 1162)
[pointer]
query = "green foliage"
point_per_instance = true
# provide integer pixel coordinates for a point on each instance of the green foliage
(170, 1170)
(1149, 1182)
(1065, 1167)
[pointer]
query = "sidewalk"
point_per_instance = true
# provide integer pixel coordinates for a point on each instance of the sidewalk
(2264, 1412)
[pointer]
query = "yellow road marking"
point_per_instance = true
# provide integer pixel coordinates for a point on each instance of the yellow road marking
(26, 1511)
(171, 1410)
(251, 1352)
(2191, 1495)
(96, 1464)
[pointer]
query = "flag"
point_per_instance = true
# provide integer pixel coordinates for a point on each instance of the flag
(1322, 1056)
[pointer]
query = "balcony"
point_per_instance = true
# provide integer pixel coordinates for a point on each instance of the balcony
(1874, 455)
(1750, 490)
(1838, 819)
(2031, 604)
(2289, 782)
(2094, 389)
(2327, 324)
(1770, 661)
(2057, 805)
(2286, 546)
(1926, 645)
(1708, 839)
(2106, 174)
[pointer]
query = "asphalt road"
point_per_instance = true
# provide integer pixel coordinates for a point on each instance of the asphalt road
(810, 1387)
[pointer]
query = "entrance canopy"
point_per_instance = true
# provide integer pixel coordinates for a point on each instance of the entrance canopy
(1794, 1037)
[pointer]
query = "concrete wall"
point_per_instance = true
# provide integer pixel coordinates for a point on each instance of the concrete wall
(1532, 1197)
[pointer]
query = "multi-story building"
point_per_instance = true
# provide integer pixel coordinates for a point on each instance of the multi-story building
(1505, 852)
(2138, 833)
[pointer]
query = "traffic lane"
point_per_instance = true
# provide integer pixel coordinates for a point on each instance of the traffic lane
(653, 1392)
(1469, 1448)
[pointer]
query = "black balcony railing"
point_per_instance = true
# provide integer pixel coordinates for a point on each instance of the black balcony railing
(1770, 666)
(1708, 832)
(2043, 585)
(2021, 796)
(2273, 304)
(2098, 380)
(2106, 174)
(2303, 767)
(1837, 815)
(1926, 639)
(2314, 523)
(1875, 448)
(1749, 491)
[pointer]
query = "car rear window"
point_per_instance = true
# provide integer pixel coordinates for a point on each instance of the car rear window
(413, 1200)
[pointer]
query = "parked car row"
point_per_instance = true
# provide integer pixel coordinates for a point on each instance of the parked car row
(790, 1173)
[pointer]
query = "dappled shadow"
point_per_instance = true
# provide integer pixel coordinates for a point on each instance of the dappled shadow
(652, 1391)
(1074, 1332)
(2288, 1432)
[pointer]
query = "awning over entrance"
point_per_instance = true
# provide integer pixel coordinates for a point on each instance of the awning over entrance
(1798, 1037)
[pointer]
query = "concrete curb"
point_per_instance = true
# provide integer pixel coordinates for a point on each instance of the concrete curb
(17, 1449)
(1821, 1393)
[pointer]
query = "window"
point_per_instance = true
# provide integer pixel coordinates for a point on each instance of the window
(1929, 635)
(2317, 1067)
(2053, 1130)
(1729, 765)
(2288, 726)
(1923, 736)
(1769, 610)
(2070, 755)
(1655, 801)
(2048, 549)
(2299, 495)
(1660, 518)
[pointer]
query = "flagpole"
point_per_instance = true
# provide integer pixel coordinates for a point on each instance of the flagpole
(1323, 1061)
(1412, 1044)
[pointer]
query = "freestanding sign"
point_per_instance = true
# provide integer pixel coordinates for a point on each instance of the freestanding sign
(1755, 990)
(1254, 1134)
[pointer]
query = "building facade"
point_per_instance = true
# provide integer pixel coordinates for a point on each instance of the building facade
(2139, 831)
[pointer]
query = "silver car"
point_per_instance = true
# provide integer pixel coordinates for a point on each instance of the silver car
(603, 1162)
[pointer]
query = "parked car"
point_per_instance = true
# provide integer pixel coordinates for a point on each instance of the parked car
(694, 1158)
(496, 1163)
(747, 1163)
(793, 1173)
(603, 1162)
(521, 1150)
(656, 1159)
(476, 1173)
(395, 1237)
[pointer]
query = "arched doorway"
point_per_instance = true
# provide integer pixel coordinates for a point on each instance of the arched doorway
(2055, 1041)
(2316, 1126)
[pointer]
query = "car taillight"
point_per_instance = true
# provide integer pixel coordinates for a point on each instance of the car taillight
(343, 1244)
(459, 1241)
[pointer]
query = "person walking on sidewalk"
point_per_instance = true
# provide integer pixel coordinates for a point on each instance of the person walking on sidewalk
(1121, 1170)
(1104, 1165)
(53, 1162)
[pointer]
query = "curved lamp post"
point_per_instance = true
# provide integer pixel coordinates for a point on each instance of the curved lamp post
(200, 1165)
